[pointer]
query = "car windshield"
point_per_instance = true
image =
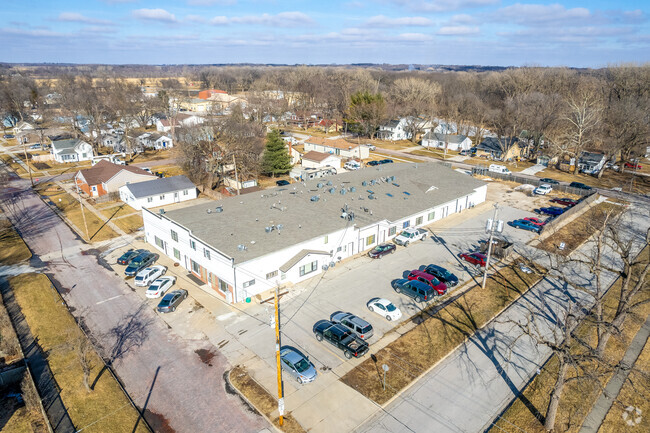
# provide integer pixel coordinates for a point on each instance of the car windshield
(366, 329)
(154, 287)
(302, 365)
(391, 307)
(435, 281)
(407, 234)
(445, 274)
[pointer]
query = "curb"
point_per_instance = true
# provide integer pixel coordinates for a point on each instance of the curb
(243, 397)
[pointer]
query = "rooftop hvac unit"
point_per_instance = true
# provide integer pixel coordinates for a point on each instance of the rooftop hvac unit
(371, 197)
(319, 185)
(218, 209)
(269, 229)
(372, 182)
(343, 191)
(241, 247)
(364, 183)
(209, 211)
(314, 198)
(329, 183)
(344, 215)
(353, 189)
(332, 190)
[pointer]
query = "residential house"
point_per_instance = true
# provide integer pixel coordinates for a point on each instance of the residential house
(502, 149)
(591, 162)
(153, 140)
(239, 248)
(114, 141)
(338, 146)
(206, 94)
(180, 120)
(395, 130)
(105, 177)
(72, 150)
(446, 128)
(23, 126)
(314, 159)
(196, 105)
(158, 192)
(451, 142)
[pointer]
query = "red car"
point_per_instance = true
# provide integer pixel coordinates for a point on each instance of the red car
(565, 201)
(428, 279)
(536, 221)
(476, 259)
(632, 165)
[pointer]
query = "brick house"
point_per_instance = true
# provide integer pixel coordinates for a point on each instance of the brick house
(106, 177)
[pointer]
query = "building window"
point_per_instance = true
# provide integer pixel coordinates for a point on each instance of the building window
(192, 244)
(149, 199)
(174, 236)
(392, 231)
(432, 215)
(326, 239)
(196, 268)
(162, 196)
(177, 254)
(186, 192)
(406, 224)
(308, 268)
(206, 253)
(271, 275)
(248, 283)
(419, 220)
(370, 240)
(223, 286)
(343, 248)
(159, 242)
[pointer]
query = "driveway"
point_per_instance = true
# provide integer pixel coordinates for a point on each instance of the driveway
(184, 393)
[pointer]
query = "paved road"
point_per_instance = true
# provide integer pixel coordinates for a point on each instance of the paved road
(188, 395)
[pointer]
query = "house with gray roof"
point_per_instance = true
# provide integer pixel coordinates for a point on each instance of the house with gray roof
(72, 150)
(158, 192)
(591, 162)
(247, 245)
(453, 142)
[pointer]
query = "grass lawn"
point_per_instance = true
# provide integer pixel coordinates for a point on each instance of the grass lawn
(580, 394)
(129, 223)
(151, 155)
(169, 170)
(439, 333)
(51, 323)
(577, 231)
(114, 212)
(610, 179)
(12, 247)
(69, 205)
(261, 399)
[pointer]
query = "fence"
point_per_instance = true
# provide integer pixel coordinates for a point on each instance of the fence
(526, 180)
(553, 225)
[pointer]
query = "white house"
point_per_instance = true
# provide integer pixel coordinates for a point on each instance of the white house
(162, 141)
(115, 141)
(452, 142)
(72, 150)
(591, 162)
(158, 192)
(247, 245)
(313, 159)
(23, 126)
(394, 130)
(338, 146)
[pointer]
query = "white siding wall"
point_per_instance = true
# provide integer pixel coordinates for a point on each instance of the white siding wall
(124, 177)
(158, 199)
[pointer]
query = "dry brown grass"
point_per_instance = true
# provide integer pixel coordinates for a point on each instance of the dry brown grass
(12, 247)
(577, 231)
(610, 179)
(52, 326)
(580, 394)
(261, 399)
(129, 224)
(439, 332)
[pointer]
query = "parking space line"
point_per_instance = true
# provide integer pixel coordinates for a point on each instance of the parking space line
(106, 300)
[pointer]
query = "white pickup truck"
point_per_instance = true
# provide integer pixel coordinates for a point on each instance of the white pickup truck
(410, 235)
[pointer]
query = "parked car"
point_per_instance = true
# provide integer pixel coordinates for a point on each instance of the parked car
(386, 161)
(381, 250)
(553, 210)
(355, 324)
(579, 185)
(410, 234)
(8, 136)
(282, 182)
(352, 165)
(549, 181)
(35, 146)
(148, 275)
(371, 147)
(496, 168)
(423, 277)
(525, 225)
(297, 366)
(373, 163)
(564, 201)
(417, 290)
(171, 300)
(340, 337)
(126, 258)
(140, 262)
(543, 189)
(159, 287)
(468, 152)
(442, 274)
(384, 308)
(476, 259)
(536, 221)
(632, 165)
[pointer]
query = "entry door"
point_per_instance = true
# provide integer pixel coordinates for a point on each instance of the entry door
(351, 248)
(176, 200)
(382, 236)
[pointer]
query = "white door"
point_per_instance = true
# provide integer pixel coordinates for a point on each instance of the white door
(176, 200)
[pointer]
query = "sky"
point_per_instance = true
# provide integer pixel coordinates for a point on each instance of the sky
(593, 33)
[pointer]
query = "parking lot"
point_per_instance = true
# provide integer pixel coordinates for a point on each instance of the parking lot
(245, 335)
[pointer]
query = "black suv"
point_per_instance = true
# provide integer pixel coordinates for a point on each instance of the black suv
(417, 290)
(140, 262)
(442, 274)
(579, 185)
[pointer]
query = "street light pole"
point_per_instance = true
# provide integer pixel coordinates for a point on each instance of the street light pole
(277, 355)
(493, 227)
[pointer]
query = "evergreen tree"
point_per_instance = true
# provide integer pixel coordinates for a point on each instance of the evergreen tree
(275, 159)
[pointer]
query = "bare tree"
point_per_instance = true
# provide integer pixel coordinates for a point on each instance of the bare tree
(414, 97)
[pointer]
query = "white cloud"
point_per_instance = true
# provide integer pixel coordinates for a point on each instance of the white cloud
(383, 21)
(442, 5)
(155, 15)
(111, 2)
(536, 13)
(211, 2)
(219, 21)
(414, 37)
(283, 19)
(458, 31)
(75, 17)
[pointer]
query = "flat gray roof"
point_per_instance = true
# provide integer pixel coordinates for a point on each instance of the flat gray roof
(160, 186)
(243, 219)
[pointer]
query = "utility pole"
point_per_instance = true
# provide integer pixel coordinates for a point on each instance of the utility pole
(277, 355)
(29, 169)
(236, 177)
(493, 226)
(83, 214)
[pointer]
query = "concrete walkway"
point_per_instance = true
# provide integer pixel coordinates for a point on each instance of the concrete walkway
(604, 403)
(533, 170)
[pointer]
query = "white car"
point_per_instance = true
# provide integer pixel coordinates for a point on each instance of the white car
(384, 308)
(159, 287)
(148, 275)
(543, 189)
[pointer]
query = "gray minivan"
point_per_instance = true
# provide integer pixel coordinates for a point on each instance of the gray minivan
(417, 290)
(355, 324)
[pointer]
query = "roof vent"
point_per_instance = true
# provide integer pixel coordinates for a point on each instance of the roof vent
(343, 191)
(406, 192)
(319, 185)
(218, 209)
(364, 183)
(269, 229)
(396, 184)
(372, 182)
(332, 190)
(209, 211)
(371, 197)
(353, 189)
(329, 183)
(242, 247)
(315, 198)
(389, 194)
(279, 227)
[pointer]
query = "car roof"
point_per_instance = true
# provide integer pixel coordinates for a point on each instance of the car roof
(291, 355)
(422, 274)
(420, 284)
